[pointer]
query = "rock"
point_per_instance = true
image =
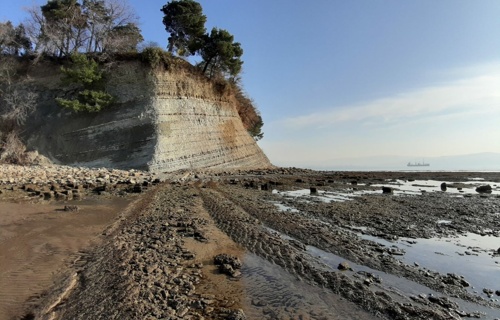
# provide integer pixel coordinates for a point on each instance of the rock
(313, 190)
(443, 186)
(489, 292)
(48, 195)
(297, 244)
(387, 190)
(100, 189)
(229, 270)
(71, 208)
(396, 251)
(30, 188)
(236, 315)
(443, 301)
(137, 188)
(484, 189)
(344, 266)
(61, 196)
(224, 258)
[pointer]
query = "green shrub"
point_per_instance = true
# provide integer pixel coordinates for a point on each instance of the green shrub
(86, 73)
(88, 101)
(83, 71)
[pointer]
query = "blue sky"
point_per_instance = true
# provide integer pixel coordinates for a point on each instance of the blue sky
(346, 79)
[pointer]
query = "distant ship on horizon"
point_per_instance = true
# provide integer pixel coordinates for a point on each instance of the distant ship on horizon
(418, 164)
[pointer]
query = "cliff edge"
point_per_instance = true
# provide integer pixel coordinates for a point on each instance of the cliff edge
(164, 120)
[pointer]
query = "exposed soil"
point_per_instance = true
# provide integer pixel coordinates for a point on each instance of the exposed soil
(157, 260)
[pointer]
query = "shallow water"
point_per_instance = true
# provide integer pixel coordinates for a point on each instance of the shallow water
(400, 187)
(272, 293)
(468, 255)
(324, 196)
(399, 288)
(419, 186)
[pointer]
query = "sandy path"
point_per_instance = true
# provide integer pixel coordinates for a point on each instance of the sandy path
(38, 240)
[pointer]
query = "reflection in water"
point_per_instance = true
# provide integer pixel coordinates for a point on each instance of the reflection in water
(396, 284)
(419, 186)
(469, 255)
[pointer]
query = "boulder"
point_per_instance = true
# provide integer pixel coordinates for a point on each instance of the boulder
(489, 292)
(387, 190)
(443, 186)
(484, 189)
(224, 258)
(344, 266)
(71, 208)
(228, 264)
(48, 195)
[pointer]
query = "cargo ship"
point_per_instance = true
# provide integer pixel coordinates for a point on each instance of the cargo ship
(418, 164)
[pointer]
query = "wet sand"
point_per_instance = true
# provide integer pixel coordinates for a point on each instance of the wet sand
(37, 241)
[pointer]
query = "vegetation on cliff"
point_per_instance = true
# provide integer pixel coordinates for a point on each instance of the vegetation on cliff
(88, 36)
(87, 75)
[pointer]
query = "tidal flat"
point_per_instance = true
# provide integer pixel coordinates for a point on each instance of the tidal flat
(310, 245)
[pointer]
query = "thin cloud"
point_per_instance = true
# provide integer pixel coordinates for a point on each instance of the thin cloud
(477, 93)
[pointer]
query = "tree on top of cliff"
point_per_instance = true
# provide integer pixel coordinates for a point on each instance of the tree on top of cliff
(112, 26)
(13, 40)
(185, 22)
(63, 27)
(221, 54)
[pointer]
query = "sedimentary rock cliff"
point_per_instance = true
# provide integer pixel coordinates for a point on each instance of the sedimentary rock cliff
(163, 121)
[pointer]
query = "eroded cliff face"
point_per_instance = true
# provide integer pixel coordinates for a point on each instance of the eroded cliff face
(163, 121)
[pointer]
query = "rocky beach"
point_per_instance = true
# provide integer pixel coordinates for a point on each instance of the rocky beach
(281, 243)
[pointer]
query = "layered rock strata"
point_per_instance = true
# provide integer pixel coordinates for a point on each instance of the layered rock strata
(163, 121)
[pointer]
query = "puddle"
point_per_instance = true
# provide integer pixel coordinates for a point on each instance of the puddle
(401, 287)
(284, 208)
(444, 222)
(324, 196)
(400, 187)
(468, 255)
(419, 186)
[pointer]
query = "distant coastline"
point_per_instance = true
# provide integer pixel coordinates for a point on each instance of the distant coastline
(479, 162)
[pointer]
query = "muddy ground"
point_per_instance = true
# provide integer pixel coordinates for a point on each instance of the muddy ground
(156, 258)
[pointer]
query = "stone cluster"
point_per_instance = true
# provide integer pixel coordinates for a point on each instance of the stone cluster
(55, 182)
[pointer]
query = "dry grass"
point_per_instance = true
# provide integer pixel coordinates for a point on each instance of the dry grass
(12, 149)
